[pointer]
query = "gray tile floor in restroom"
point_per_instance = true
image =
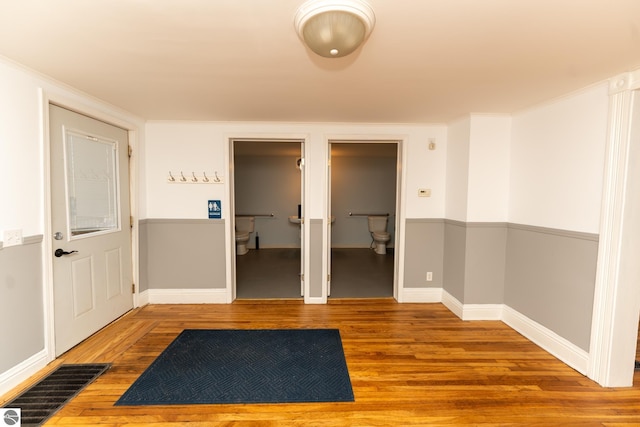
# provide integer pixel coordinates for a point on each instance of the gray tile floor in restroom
(273, 273)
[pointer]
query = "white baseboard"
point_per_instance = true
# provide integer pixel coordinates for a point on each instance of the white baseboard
(426, 295)
(472, 311)
(142, 299)
(315, 300)
(185, 296)
(452, 304)
(548, 340)
(551, 342)
(21, 372)
(482, 311)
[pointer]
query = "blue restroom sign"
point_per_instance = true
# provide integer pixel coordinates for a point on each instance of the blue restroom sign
(215, 209)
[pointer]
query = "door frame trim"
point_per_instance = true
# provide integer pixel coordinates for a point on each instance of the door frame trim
(109, 116)
(400, 212)
(616, 304)
(229, 154)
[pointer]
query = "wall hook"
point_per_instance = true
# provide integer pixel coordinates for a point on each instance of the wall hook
(217, 179)
(171, 178)
(194, 179)
(182, 178)
(205, 179)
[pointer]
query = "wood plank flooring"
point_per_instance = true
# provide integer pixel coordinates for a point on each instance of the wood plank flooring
(410, 364)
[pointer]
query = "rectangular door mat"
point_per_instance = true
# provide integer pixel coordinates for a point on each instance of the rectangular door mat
(42, 400)
(208, 366)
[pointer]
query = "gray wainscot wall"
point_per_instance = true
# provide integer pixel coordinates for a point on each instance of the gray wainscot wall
(424, 240)
(21, 316)
(316, 251)
(546, 275)
(474, 266)
(182, 254)
(550, 278)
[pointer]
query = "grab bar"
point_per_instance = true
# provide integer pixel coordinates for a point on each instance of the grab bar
(271, 215)
(371, 214)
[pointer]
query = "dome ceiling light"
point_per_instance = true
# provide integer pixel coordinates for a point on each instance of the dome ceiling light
(334, 28)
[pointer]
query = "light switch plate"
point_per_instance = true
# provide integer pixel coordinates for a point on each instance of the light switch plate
(12, 238)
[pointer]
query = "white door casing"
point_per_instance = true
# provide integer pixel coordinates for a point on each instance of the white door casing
(399, 207)
(230, 154)
(328, 215)
(302, 210)
(614, 329)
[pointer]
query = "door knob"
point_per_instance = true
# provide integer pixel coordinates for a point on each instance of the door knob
(60, 252)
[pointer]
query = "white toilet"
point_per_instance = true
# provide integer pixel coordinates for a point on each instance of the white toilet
(245, 225)
(378, 230)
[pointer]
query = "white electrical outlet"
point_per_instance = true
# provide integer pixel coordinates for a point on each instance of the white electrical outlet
(429, 276)
(12, 238)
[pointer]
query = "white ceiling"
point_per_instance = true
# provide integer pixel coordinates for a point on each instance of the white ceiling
(426, 61)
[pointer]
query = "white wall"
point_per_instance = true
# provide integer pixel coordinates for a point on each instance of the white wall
(557, 162)
(458, 169)
(20, 152)
(478, 168)
(183, 148)
(488, 175)
(175, 146)
(21, 142)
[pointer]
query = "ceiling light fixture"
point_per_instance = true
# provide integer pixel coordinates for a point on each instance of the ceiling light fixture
(334, 28)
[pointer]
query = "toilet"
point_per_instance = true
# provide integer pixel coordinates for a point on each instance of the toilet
(245, 225)
(378, 230)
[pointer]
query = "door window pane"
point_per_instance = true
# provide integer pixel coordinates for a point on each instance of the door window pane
(92, 184)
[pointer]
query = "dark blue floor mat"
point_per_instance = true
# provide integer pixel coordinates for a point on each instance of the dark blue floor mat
(246, 366)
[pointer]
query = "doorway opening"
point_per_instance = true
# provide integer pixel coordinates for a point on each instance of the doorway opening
(267, 190)
(363, 200)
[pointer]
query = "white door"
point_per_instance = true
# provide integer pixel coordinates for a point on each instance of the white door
(92, 272)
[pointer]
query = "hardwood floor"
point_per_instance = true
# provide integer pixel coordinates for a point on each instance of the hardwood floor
(410, 364)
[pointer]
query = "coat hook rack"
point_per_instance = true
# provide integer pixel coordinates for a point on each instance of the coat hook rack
(210, 178)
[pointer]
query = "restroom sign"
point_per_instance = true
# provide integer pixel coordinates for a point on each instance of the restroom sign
(215, 209)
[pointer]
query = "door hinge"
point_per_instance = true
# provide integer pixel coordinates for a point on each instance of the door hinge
(302, 277)
(328, 277)
(130, 151)
(131, 221)
(133, 288)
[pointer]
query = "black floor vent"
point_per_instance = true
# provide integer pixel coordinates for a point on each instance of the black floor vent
(45, 398)
(637, 364)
